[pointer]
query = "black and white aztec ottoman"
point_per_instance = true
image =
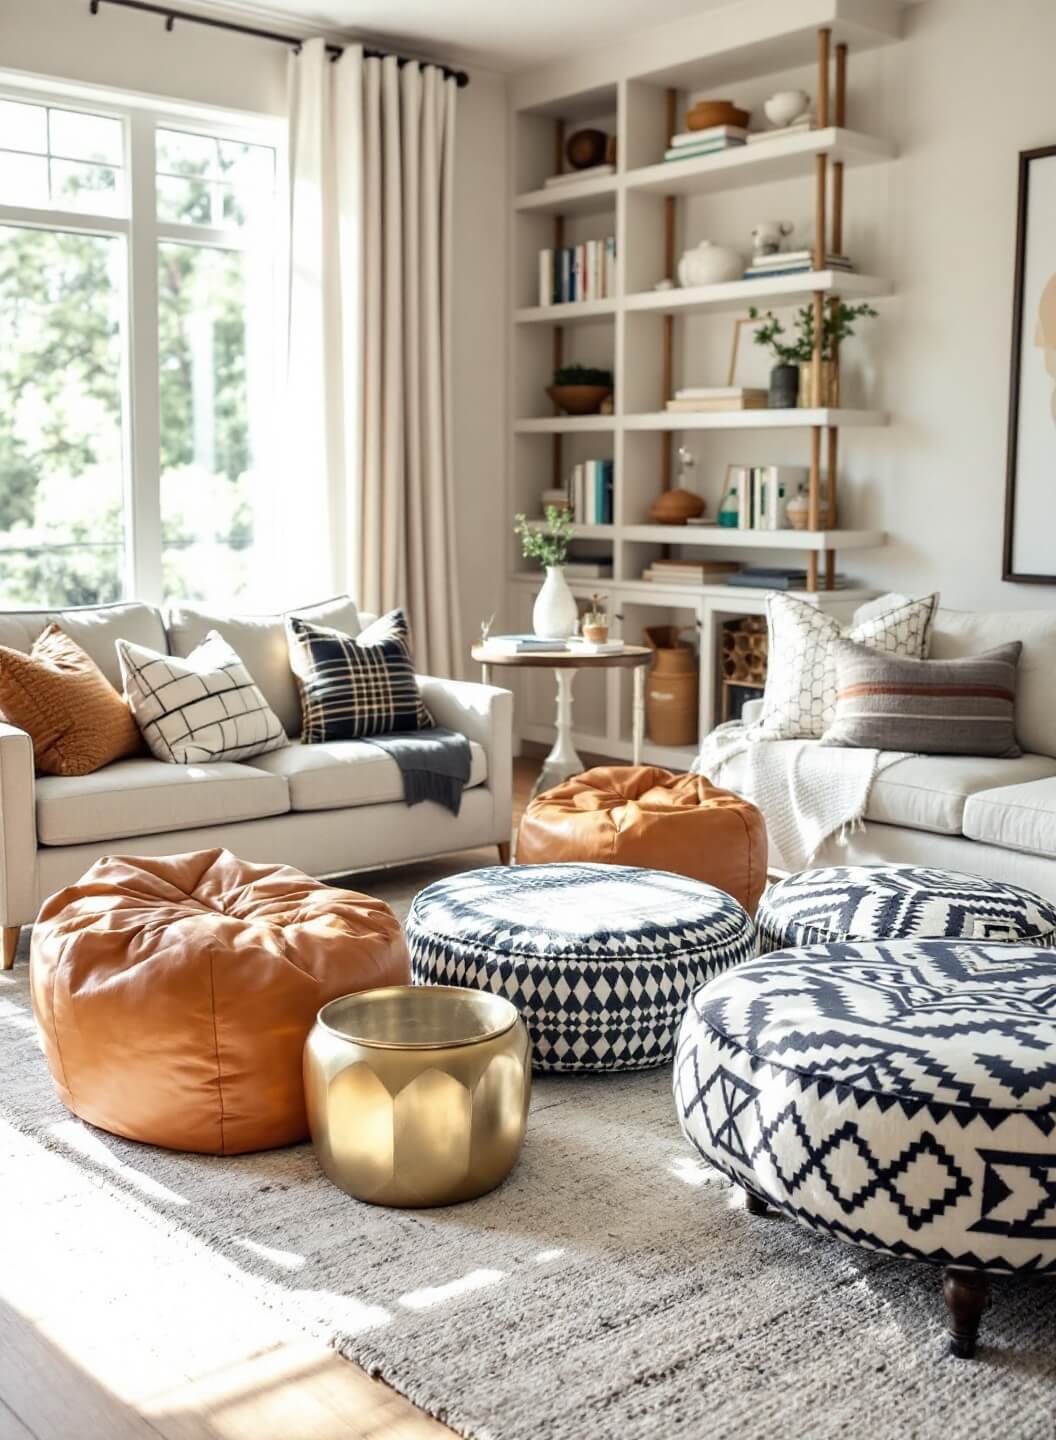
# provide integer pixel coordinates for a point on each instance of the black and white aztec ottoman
(600, 959)
(897, 1096)
(898, 902)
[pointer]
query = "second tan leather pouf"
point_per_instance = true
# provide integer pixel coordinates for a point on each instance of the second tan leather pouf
(642, 815)
(174, 994)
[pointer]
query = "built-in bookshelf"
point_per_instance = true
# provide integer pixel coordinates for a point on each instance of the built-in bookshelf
(639, 95)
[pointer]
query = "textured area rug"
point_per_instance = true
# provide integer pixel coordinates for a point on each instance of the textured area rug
(613, 1287)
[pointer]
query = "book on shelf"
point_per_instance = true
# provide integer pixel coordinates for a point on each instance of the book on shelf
(797, 127)
(706, 147)
(578, 646)
(588, 569)
(701, 520)
(763, 491)
(747, 400)
(591, 491)
(676, 572)
(525, 645)
(762, 579)
(578, 272)
(568, 177)
(711, 132)
(793, 262)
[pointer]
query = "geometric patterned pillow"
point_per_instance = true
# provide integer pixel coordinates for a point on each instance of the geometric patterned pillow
(352, 689)
(800, 696)
(199, 708)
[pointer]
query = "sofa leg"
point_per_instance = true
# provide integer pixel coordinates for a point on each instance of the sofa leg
(504, 852)
(11, 933)
(754, 1204)
(966, 1293)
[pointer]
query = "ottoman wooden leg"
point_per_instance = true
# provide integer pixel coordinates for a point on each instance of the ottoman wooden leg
(504, 852)
(966, 1293)
(11, 933)
(754, 1204)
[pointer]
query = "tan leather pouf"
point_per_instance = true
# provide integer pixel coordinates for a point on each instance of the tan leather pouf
(174, 994)
(645, 816)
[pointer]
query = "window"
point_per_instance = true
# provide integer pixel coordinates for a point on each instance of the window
(138, 287)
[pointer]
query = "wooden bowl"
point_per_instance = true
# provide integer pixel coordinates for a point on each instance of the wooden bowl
(579, 399)
(586, 148)
(706, 113)
(675, 507)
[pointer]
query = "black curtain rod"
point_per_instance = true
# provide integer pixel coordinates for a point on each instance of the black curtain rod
(170, 16)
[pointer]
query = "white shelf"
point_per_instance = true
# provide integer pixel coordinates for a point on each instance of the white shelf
(738, 294)
(686, 596)
(581, 532)
(566, 314)
(779, 159)
(575, 197)
(564, 424)
(795, 419)
(727, 538)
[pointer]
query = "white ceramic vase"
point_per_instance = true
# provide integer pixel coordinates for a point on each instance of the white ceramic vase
(554, 615)
(708, 264)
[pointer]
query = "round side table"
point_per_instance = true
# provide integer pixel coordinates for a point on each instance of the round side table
(562, 762)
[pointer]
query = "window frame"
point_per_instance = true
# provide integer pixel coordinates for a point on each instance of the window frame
(141, 117)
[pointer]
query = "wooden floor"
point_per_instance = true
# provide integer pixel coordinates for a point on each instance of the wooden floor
(76, 1363)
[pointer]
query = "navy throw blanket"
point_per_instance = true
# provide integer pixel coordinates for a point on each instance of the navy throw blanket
(434, 764)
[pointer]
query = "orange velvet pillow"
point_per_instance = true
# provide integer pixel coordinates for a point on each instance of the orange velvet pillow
(59, 696)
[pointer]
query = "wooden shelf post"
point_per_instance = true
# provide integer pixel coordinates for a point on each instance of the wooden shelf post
(668, 336)
(557, 480)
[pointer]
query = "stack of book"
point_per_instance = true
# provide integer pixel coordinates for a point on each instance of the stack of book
(576, 569)
(525, 645)
(705, 142)
(578, 272)
(568, 177)
(711, 398)
(762, 493)
(689, 572)
(590, 487)
(792, 262)
(783, 132)
(760, 577)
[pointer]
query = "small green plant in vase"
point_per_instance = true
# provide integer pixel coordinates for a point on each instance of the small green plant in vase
(554, 615)
(580, 389)
(790, 377)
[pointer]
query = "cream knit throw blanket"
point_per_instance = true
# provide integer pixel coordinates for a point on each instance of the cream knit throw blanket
(806, 791)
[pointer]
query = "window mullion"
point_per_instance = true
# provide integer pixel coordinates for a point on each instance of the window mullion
(143, 494)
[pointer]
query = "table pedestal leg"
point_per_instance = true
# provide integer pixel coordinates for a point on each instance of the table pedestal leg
(638, 718)
(562, 760)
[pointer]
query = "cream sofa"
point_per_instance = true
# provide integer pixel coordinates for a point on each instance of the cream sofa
(326, 809)
(986, 817)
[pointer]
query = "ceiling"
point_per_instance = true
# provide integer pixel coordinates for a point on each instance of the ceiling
(496, 34)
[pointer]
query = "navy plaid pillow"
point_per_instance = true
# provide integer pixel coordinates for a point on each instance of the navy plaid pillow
(352, 689)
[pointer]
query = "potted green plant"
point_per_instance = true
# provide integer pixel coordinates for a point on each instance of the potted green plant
(554, 615)
(790, 378)
(580, 389)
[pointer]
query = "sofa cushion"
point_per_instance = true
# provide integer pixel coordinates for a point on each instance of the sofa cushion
(928, 792)
(260, 640)
(149, 797)
(958, 633)
(93, 627)
(342, 773)
(1016, 817)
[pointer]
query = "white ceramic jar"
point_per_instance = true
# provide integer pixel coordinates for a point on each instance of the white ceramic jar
(708, 264)
(554, 615)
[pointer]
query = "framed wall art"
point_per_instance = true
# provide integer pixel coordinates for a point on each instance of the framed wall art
(1030, 485)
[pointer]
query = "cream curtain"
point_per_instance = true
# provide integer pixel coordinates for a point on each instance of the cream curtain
(371, 150)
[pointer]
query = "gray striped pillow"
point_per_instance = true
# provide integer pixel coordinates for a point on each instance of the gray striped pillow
(928, 707)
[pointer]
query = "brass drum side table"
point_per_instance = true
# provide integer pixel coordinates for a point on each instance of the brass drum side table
(563, 762)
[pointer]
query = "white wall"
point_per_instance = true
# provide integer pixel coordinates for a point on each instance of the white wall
(968, 87)
(133, 52)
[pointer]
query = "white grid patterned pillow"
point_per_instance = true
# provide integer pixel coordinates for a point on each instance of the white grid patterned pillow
(800, 697)
(352, 689)
(199, 708)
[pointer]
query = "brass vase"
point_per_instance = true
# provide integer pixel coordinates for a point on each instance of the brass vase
(418, 1094)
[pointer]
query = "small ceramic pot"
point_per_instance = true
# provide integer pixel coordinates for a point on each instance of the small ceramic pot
(708, 264)
(786, 107)
(586, 148)
(579, 399)
(797, 512)
(784, 387)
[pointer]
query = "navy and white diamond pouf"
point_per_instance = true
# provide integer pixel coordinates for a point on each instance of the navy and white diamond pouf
(600, 959)
(899, 902)
(901, 1097)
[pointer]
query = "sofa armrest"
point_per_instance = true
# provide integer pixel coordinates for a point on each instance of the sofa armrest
(18, 828)
(751, 711)
(483, 713)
